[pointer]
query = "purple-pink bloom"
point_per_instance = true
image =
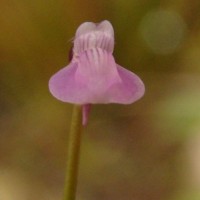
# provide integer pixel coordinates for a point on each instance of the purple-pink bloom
(93, 76)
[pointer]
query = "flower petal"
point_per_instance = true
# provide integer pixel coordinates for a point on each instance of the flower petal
(90, 35)
(129, 90)
(63, 86)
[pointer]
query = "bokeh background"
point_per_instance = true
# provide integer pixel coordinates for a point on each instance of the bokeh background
(149, 150)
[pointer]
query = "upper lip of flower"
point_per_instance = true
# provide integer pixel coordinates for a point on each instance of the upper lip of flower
(87, 27)
(90, 35)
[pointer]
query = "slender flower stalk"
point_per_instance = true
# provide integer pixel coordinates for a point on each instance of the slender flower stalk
(73, 154)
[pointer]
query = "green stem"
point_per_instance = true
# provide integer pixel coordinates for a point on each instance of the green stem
(73, 154)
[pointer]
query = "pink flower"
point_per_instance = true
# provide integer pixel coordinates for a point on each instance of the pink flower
(93, 76)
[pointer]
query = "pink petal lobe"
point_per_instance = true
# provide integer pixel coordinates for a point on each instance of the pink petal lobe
(129, 90)
(85, 113)
(63, 86)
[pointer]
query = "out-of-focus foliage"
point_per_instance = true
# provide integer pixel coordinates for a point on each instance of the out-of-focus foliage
(145, 151)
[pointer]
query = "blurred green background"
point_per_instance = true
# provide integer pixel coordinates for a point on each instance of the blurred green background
(149, 150)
